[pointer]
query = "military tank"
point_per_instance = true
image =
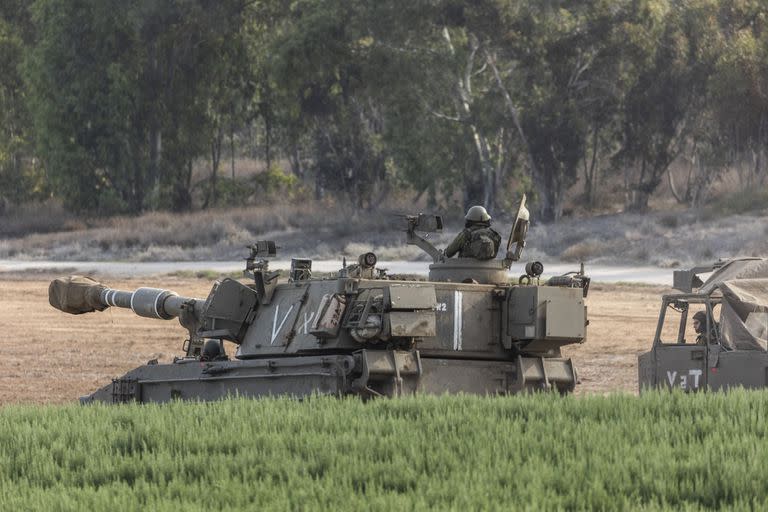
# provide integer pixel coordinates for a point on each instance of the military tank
(360, 332)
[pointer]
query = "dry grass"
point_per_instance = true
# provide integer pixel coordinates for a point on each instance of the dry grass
(744, 201)
(47, 217)
(329, 229)
(583, 251)
(52, 357)
(206, 234)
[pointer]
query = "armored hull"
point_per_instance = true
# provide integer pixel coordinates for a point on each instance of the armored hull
(365, 373)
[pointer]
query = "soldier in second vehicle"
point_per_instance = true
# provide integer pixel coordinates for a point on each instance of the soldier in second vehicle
(700, 326)
(477, 240)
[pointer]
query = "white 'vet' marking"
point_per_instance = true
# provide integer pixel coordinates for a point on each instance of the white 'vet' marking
(276, 328)
(457, 320)
(671, 376)
(696, 374)
(307, 320)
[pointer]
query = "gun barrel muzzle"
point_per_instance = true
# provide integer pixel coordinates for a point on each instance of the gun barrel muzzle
(77, 295)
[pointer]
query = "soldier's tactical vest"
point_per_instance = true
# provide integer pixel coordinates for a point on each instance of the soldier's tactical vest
(483, 244)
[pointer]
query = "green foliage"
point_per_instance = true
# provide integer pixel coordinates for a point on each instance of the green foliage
(269, 187)
(568, 90)
(275, 180)
(658, 451)
(108, 106)
(319, 65)
(740, 104)
(21, 179)
(274, 185)
(119, 96)
(666, 92)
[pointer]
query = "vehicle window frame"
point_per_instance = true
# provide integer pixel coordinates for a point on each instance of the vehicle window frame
(668, 301)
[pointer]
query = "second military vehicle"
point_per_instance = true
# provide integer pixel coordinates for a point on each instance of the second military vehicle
(713, 334)
(466, 329)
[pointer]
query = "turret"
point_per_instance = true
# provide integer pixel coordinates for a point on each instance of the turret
(468, 270)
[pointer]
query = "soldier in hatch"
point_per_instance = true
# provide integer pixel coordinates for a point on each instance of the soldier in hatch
(477, 240)
(700, 326)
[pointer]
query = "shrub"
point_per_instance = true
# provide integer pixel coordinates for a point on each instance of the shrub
(752, 200)
(669, 221)
(583, 251)
(43, 217)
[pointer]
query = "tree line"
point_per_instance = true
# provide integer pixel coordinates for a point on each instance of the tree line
(108, 105)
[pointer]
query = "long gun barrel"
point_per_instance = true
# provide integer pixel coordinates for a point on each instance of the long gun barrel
(77, 295)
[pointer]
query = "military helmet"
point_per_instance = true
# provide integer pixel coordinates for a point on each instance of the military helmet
(477, 214)
(212, 351)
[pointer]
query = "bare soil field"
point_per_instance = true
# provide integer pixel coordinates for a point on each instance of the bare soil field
(52, 357)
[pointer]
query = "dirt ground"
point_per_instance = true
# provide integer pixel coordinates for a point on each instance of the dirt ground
(52, 357)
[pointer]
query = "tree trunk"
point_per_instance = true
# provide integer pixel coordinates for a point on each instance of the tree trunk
(486, 167)
(480, 142)
(155, 141)
(216, 143)
(268, 141)
(153, 123)
(232, 147)
(552, 208)
(136, 192)
(319, 191)
(473, 190)
(541, 197)
(640, 201)
(491, 60)
(680, 198)
(295, 158)
(590, 171)
(181, 199)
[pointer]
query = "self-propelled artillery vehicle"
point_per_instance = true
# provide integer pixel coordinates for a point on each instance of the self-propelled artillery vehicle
(465, 329)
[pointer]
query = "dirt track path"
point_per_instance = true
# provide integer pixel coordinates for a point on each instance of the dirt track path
(51, 357)
(622, 322)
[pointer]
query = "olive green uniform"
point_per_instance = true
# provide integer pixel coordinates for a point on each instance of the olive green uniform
(703, 339)
(461, 244)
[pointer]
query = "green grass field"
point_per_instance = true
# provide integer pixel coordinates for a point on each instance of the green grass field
(668, 451)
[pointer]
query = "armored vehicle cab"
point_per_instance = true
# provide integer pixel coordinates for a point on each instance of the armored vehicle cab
(466, 329)
(714, 334)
